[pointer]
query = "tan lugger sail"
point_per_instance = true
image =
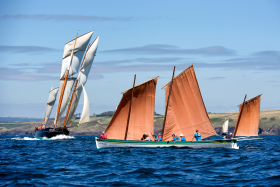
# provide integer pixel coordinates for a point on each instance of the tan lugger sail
(141, 119)
(249, 119)
(186, 110)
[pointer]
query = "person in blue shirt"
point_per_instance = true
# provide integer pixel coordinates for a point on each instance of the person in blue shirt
(197, 136)
(182, 137)
(159, 138)
(175, 138)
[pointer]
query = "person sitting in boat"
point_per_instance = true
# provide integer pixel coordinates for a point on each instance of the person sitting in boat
(36, 128)
(197, 136)
(147, 137)
(40, 127)
(103, 135)
(175, 138)
(229, 136)
(44, 126)
(158, 138)
(182, 137)
(144, 137)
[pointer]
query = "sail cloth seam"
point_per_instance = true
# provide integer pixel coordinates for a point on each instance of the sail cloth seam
(250, 100)
(178, 75)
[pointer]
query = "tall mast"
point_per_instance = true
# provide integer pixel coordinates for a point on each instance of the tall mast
(239, 117)
(127, 124)
(167, 102)
(65, 120)
(64, 84)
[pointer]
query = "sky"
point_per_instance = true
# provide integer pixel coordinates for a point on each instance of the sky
(234, 45)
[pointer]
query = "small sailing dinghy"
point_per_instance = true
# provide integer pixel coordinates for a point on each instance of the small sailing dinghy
(76, 60)
(247, 125)
(184, 113)
(225, 128)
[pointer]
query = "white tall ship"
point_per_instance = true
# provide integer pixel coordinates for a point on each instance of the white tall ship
(77, 60)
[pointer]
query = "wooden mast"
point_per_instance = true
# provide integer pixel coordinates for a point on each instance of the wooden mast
(76, 83)
(167, 102)
(239, 117)
(64, 84)
(127, 124)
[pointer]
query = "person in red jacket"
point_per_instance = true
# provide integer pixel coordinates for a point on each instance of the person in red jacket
(103, 135)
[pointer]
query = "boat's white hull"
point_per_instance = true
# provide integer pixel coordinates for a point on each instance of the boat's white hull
(247, 138)
(145, 144)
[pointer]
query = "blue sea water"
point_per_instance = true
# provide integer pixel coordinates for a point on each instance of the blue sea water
(76, 162)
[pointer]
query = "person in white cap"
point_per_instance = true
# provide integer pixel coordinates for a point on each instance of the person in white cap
(182, 137)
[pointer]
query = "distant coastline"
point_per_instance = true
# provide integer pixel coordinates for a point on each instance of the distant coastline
(269, 124)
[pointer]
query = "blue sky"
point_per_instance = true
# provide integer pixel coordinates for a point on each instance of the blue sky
(234, 46)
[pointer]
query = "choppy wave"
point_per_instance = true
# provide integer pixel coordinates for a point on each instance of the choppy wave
(78, 163)
(58, 137)
(62, 137)
(24, 138)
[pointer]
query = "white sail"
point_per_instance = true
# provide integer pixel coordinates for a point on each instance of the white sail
(74, 104)
(50, 104)
(66, 94)
(85, 114)
(91, 53)
(83, 75)
(75, 65)
(81, 44)
(225, 127)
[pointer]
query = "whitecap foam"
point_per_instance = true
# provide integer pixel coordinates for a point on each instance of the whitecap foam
(58, 137)
(24, 138)
(61, 137)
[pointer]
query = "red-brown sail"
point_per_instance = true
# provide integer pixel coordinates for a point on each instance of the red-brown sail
(186, 109)
(249, 120)
(142, 113)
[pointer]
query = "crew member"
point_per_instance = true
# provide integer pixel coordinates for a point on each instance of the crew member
(144, 137)
(147, 137)
(229, 136)
(159, 138)
(182, 137)
(197, 136)
(103, 135)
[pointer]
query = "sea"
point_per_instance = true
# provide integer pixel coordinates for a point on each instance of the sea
(75, 161)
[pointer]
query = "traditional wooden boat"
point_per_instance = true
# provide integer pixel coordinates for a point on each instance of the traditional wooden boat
(76, 65)
(184, 113)
(247, 125)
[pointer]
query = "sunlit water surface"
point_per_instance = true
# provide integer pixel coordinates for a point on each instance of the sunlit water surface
(75, 161)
